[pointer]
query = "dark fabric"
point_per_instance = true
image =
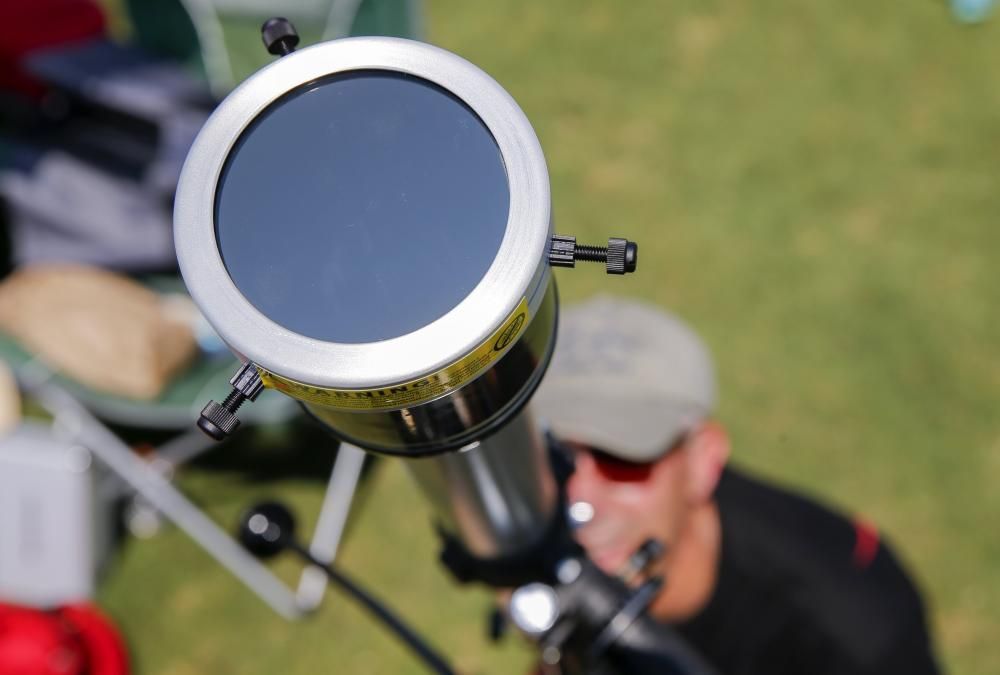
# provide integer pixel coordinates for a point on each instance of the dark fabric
(805, 591)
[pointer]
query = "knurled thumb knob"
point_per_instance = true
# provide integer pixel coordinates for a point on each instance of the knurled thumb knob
(622, 255)
(217, 421)
(279, 36)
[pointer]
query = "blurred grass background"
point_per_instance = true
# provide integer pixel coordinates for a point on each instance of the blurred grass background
(815, 187)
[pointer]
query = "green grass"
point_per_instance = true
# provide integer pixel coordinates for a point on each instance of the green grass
(816, 187)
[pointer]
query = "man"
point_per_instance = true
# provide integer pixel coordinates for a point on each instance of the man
(760, 580)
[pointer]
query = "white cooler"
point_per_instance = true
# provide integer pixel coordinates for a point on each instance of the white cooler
(55, 530)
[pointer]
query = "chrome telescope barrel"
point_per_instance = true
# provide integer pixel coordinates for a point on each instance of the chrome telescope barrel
(368, 222)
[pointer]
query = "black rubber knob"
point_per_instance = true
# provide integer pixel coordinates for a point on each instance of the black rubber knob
(631, 256)
(279, 36)
(217, 421)
(622, 256)
(266, 529)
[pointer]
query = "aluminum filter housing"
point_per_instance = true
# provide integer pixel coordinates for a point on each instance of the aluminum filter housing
(368, 221)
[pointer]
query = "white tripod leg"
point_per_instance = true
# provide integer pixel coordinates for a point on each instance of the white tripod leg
(74, 420)
(330, 527)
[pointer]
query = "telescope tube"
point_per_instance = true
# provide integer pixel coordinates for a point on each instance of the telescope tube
(367, 221)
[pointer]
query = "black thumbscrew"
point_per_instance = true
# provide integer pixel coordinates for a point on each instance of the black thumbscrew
(266, 529)
(620, 255)
(279, 36)
(218, 420)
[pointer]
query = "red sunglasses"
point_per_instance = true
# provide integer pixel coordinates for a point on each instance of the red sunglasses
(620, 470)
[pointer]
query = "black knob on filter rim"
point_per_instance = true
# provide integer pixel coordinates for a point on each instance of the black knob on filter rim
(219, 420)
(631, 256)
(622, 255)
(279, 36)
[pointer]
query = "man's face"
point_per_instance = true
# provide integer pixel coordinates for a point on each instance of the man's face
(632, 502)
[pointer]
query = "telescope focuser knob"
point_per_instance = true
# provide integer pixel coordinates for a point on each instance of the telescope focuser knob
(279, 36)
(218, 420)
(620, 255)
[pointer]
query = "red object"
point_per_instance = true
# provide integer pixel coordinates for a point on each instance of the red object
(30, 25)
(33, 642)
(866, 543)
(71, 640)
(105, 648)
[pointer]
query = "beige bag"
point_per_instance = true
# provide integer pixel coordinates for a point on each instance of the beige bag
(102, 329)
(10, 401)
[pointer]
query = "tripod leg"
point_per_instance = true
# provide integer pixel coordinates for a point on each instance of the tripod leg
(76, 421)
(330, 527)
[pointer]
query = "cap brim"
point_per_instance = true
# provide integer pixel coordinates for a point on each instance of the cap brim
(633, 430)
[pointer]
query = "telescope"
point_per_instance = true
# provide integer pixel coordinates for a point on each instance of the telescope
(367, 224)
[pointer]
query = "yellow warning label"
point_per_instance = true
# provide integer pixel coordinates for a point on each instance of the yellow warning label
(415, 392)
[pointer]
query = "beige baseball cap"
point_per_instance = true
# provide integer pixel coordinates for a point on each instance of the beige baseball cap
(626, 377)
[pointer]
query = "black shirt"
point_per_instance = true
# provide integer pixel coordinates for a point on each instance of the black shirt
(802, 590)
